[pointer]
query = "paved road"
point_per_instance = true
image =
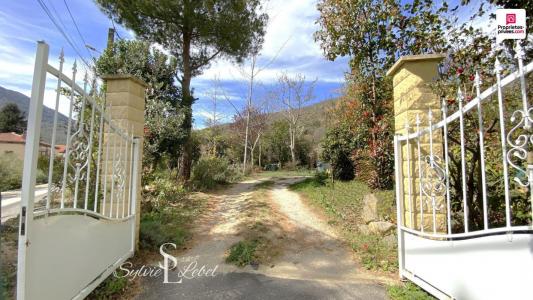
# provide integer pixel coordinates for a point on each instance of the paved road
(247, 285)
(11, 201)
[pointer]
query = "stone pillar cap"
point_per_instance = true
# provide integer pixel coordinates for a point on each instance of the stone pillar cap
(409, 58)
(124, 76)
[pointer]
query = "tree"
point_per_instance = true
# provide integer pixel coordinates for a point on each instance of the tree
(292, 94)
(213, 131)
(471, 52)
(275, 142)
(162, 114)
(250, 124)
(12, 119)
(374, 34)
(251, 76)
(195, 33)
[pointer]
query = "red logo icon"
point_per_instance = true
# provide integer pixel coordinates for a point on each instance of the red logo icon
(510, 19)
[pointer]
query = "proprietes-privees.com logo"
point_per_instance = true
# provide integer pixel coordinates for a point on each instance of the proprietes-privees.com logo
(511, 24)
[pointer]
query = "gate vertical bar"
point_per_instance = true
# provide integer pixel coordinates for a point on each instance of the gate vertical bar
(54, 128)
(501, 115)
(399, 200)
(446, 160)
(477, 83)
(460, 99)
(30, 164)
(133, 190)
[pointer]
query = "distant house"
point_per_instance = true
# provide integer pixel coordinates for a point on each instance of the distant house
(60, 150)
(11, 142)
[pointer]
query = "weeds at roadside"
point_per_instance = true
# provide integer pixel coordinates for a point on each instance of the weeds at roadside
(408, 291)
(242, 253)
(111, 287)
(8, 258)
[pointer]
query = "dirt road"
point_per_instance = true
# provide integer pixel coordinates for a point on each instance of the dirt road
(314, 264)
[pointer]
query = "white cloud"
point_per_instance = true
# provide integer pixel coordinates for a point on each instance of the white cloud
(289, 38)
(291, 23)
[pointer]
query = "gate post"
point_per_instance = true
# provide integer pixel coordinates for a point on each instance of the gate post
(413, 99)
(31, 154)
(125, 101)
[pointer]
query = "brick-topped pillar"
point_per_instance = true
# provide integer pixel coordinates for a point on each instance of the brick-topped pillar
(412, 77)
(125, 103)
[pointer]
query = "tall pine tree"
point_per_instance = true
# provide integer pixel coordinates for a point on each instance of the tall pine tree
(195, 32)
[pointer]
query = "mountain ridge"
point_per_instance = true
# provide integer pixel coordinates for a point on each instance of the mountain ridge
(23, 103)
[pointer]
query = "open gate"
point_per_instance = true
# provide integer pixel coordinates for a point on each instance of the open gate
(85, 227)
(464, 190)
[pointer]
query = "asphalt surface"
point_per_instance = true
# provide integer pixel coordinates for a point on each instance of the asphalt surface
(11, 201)
(244, 285)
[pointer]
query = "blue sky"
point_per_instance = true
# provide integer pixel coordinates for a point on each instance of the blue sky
(289, 32)
(289, 38)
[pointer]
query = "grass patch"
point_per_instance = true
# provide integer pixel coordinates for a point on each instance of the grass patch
(342, 203)
(242, 253)
(408, 291)
(162, 227)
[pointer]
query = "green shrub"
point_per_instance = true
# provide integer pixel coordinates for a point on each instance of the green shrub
(210, 172)
(43, 163)
(321, 178)
(166, 192)
(41, 177)
(167, 212)
(162, 227)
(242, 253)
(10, 172)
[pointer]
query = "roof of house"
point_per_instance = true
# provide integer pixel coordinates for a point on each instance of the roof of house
(61, 148)
(14, 138)
(11, 137)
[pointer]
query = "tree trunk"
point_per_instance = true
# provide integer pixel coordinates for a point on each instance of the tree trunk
(252, 158)
(259, 162)
(293, 146)
(186, 156)
(250, 91)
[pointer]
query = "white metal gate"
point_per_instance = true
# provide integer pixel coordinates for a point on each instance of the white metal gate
(86, 226)
(475, 169)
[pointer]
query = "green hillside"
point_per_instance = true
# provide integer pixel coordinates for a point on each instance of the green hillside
(23, 102)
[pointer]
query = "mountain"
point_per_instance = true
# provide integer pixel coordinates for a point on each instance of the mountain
(315, 119)
(23, 102)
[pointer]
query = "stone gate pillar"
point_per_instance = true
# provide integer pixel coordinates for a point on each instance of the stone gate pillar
(412, 78)
(125, 103)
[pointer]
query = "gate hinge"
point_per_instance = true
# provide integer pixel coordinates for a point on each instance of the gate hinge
(23, 221)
